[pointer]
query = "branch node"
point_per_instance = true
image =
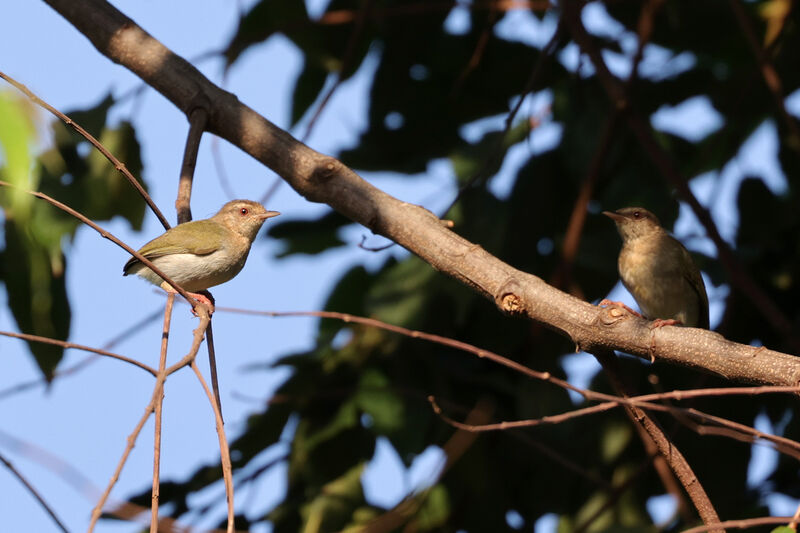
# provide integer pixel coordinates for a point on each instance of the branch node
(325, 170)
(512, 304)
(610, 315)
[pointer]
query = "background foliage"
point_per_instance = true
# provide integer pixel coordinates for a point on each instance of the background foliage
(434, 81)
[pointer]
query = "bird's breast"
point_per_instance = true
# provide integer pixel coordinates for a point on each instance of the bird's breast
(651, 271)
(198, 272)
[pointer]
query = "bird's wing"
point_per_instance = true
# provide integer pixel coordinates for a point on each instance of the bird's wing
(181, 240)
(695, 279)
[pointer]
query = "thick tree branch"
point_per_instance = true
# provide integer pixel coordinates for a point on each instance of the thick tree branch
(324, 179)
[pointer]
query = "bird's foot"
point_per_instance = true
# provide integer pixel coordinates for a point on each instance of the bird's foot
(661, 322)
(205, 298)
(606, 303)
(655, 325)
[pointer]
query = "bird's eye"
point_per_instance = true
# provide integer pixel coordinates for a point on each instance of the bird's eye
(637, 214)
(243, 211)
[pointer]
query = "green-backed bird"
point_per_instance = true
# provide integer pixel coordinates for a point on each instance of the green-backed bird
(658, 271)
(203, 253)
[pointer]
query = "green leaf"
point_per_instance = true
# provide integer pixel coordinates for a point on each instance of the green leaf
(377, 399)
(398, 295)
(17, 137)
(435, 508)
(37, 293)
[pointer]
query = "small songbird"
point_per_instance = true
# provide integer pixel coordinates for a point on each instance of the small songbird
(658, 271)
(203, 253)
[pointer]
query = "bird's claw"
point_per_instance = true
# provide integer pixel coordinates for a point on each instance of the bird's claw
(661, 322)
(605, 302)
(204, 298)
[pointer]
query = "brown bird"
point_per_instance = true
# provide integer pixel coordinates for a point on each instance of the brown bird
(658, 271)
(203, 253)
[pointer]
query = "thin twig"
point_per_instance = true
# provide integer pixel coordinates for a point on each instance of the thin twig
(197, 125)
(98, 509)
(66, 344)
(83, 363)
(784, 445)
(653, 434)
(212, 364)
(197, 339)
(119, 165)
(34, 493)
(77, 480)
(747, 523)
(224, 451)
(159, 398)
(107, 235)
(795, 519)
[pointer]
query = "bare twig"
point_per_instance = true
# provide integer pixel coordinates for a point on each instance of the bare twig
(77, 480)
(106, 235)
(98, 509)
(66, 344)
(197, 124)
(159, 401)
(224, 451)
(740, 524)
(83, 363)
(35, 493)
(162, 376)
(119, 165)
(667, 449)
(784, 445)
(212, 364)
(795, 519)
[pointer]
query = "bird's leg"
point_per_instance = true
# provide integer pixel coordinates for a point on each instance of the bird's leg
(656, 324)
(606, 302)
(204, 297)
(661, 322)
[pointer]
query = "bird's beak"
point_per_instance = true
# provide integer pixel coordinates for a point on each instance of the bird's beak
(268, 214)
(614, 216)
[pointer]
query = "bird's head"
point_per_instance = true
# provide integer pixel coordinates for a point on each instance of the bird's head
(634, 222)
(245, 217)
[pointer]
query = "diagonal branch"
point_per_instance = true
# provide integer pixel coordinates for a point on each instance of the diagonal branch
(197, 123)
(34, 492)
(159, 405)
(654, 437)
(324, 179)
(66, 344)
(119, 165)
